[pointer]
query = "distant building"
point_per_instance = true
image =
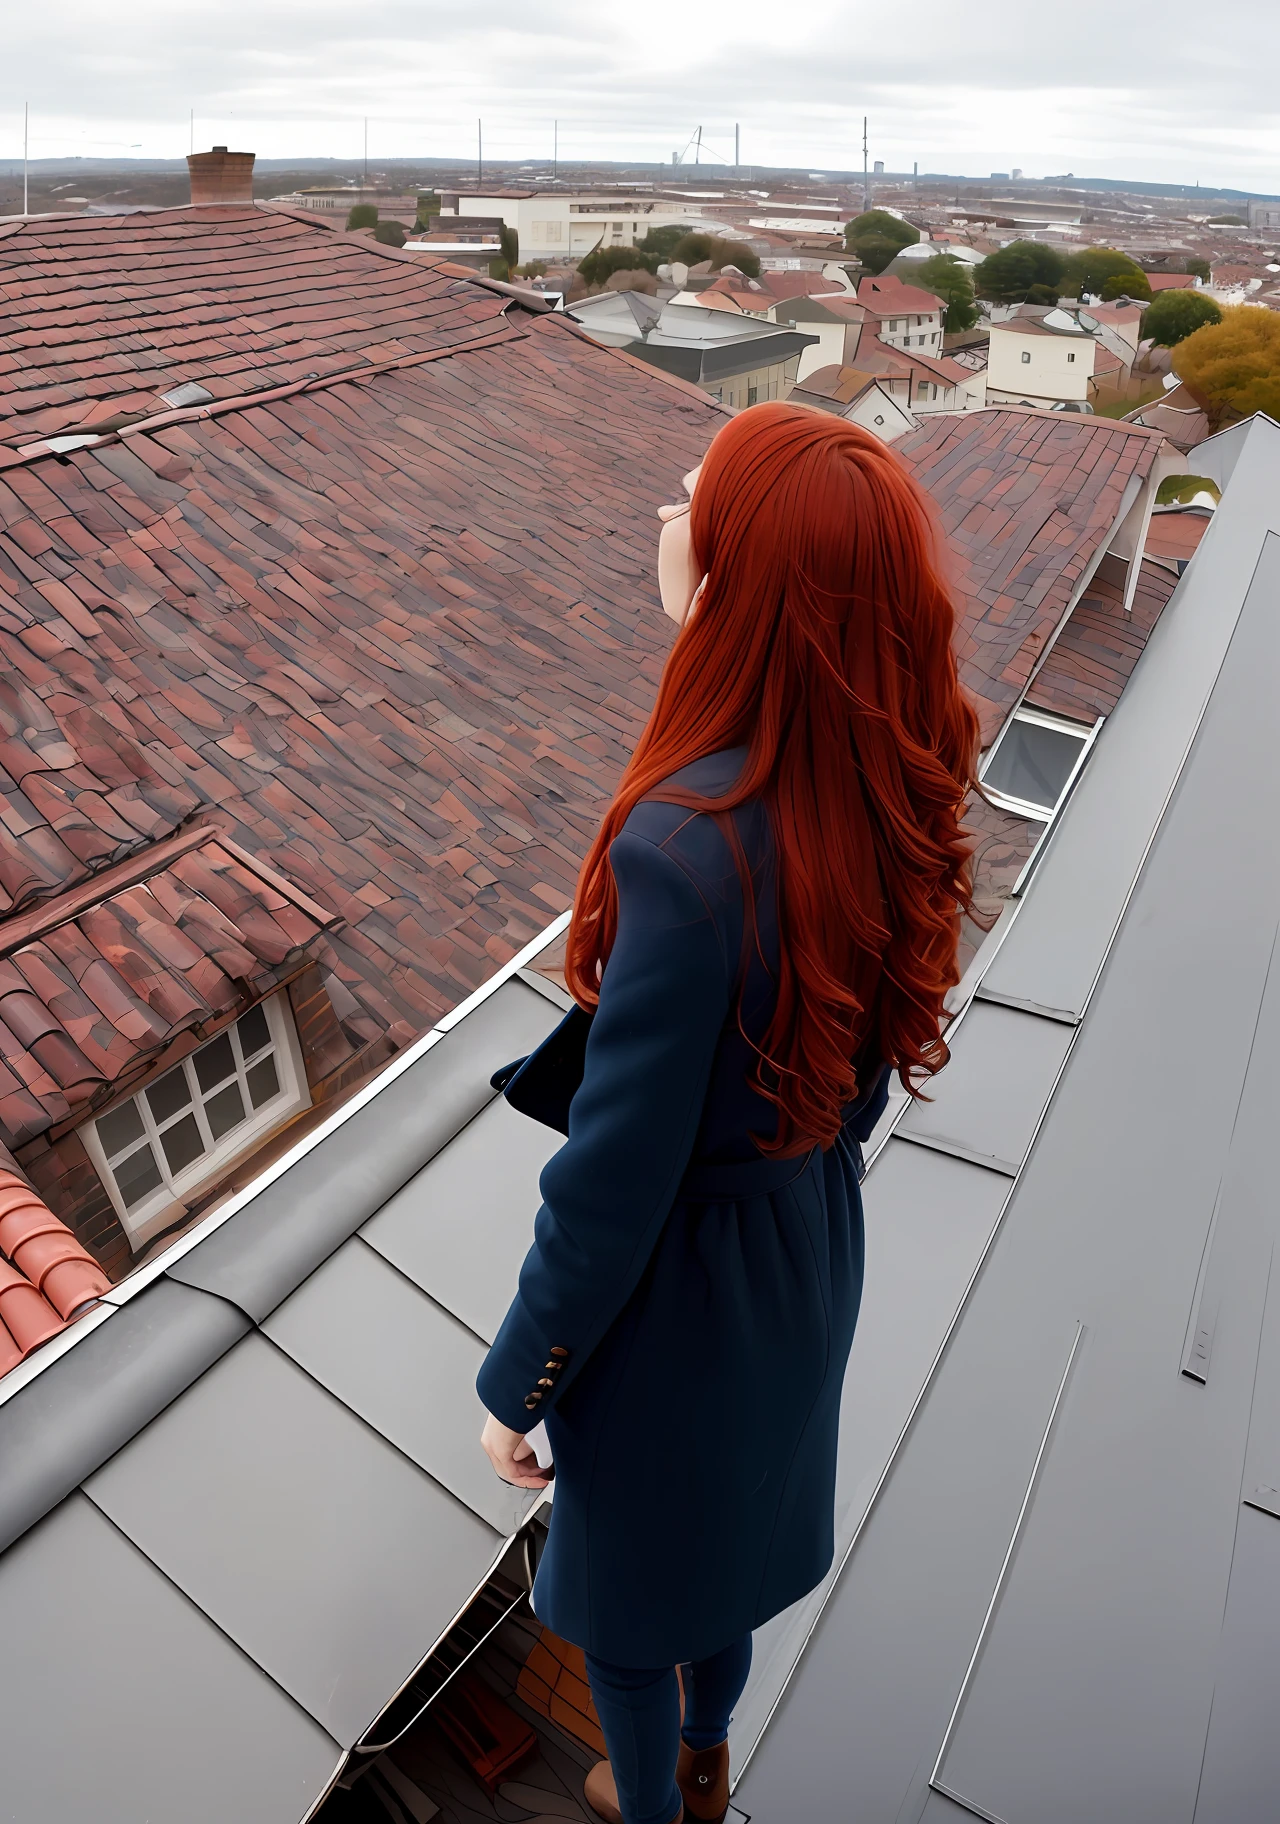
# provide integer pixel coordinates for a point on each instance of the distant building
(860, 397)
(334, 203)
(1035, 361)
(558, 225)
(907, 316)
(737, 361)
(1265, 215)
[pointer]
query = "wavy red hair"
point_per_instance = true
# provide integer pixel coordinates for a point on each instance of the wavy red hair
(822, 642)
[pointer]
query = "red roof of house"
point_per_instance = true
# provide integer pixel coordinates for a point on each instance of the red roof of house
(97, 982)
(394, 634)
(1170, 281)
(46, 1277)
(1176, 536)
(102, 314)
(1093, 657)
(879, 357)
(891, 296)
(1026, 498)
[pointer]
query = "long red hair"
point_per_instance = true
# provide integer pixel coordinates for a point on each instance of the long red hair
(822, 642)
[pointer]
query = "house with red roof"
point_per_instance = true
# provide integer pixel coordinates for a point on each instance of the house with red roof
(907, 316)
(325, 628)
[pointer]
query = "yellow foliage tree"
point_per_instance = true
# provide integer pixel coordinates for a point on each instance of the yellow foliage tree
(1233, 367)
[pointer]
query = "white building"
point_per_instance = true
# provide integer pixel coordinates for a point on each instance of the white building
(907, 317)
(567, 225)
(1032, 362)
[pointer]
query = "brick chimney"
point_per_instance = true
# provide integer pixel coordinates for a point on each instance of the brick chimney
(220, 177)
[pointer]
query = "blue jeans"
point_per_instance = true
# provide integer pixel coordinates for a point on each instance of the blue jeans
(639, 1712)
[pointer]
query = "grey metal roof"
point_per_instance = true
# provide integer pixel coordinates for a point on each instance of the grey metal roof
(1062, 1587)
(243, 1502)
(242, 1507)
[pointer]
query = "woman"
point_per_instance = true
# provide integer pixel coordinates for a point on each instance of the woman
(766, 924)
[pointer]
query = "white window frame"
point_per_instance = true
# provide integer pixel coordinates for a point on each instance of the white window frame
(177, 1190)
(1023, 807)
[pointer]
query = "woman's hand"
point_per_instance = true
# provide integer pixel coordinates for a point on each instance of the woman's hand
(512, 1455)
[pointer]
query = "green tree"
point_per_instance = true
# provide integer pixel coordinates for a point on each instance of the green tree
(660, 241)
(532, 269)
(602, 262)
(503, 265)
(1198, 268)
(1104, 273)
(428, 205)
(876, 238)
(1227, 221)
(363, 215)
(1181, 490)
(391, 234)
(948, 278)
(1233, 367)
(1013, 273)
(1177, 314)
(693, 248)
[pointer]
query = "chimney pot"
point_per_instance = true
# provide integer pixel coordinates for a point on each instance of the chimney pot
(219, 177)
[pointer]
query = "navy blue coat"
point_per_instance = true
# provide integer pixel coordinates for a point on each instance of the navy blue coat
(688, 1303)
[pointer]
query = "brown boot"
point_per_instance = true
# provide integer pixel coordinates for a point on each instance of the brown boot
(703, 1778)
(601, 1794)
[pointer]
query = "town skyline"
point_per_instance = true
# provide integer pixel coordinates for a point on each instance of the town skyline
(1014, 91)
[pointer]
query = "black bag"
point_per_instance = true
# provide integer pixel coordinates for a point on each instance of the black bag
(544, 1084)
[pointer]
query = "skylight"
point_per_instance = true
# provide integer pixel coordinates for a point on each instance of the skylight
(1034, 762)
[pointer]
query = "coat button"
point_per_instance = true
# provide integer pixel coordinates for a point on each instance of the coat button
(553, 1367)
(531, 1400)
(560, 1354)
(544, 1382)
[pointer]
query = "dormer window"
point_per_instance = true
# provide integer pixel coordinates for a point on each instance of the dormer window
(156, 1151)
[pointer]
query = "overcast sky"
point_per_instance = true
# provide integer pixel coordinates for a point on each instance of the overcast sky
(1178, 91)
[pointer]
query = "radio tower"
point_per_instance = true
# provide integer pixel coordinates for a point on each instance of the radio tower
(866, 189)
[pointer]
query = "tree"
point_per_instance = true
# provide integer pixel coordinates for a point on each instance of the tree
(362, 215)
(660, 241)
(1227, 221)
(948, 278)
(1177, 314)
(532, 269)
(1012, 273)
(1104, 273)
(693, 248)
(602, 262)
(504, 264)
(877, 237)
(1198, 268)
(1233, 367)
(391, 234)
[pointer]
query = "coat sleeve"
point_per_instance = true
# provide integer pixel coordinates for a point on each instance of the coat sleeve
(606, 1194)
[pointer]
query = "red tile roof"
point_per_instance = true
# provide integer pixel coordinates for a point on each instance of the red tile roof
(46, 1277)
(100, 315)
(97, 982)
(396, 633)
(1177, 536)
(1026, 498)
(1093, 657)
(891, 296)
(1170, 281)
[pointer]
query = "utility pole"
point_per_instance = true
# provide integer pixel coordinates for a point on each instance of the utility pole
(192, 145)
(697, 151)
(25, 123)
(866, 191)
(555, 153)
(366, 152)
(479, 154)
(737, 161)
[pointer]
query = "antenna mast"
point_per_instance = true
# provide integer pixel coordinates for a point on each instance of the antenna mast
(866, 191)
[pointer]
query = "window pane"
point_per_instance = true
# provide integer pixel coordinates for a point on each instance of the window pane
(253, 1030)
(263, 1081)
(215, 1063)
(137, 1176)
(120, 1128)
(182, 1143)
(170, 1094)
(1034, 763)
(226, 1110)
